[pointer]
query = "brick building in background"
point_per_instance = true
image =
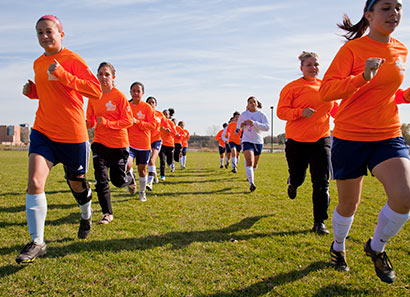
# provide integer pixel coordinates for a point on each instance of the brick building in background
(14, 135)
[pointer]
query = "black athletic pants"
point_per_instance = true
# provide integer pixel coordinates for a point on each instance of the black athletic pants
(317, 155)
(165, 154)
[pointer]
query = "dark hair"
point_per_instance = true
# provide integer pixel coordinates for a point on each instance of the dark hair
(258, 103)
(357, 30)
(137, 83)
(150, 97)
(236, 113)
(224, 125)
(180, 122)
(171, 111)
(109, 65)
(52, 18)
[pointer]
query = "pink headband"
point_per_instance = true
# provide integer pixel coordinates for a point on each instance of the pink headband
(52, 18)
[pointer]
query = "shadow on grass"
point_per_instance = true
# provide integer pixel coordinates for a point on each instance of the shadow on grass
(269, 284)
(200, 181)
(338, 290)
(72, 218)
(9, 270)
(20, 208)
(175, 194)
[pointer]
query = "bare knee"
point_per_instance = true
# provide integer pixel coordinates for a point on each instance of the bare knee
(35, 185)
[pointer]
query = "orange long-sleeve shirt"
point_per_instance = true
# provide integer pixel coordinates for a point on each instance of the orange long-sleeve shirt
(234, 137)
(185, 139)
(368, 110)
(167, 133)
(294, 98)
(180, 135)
(140, 132)
(60, 115)
(117, 117)
(218, 137)
(156, 133)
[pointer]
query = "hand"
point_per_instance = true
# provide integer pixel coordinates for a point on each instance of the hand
(53, 67)
(371, 67)
(307, 112)
(249, 123)
(27, 88)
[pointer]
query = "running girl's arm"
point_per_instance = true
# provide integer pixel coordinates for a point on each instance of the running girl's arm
(338, 81)
(84, 82)
(224, 136)
(285, 110)
(91, 119)
(149, 124)
(402, 96)
(126, 117)
(334, 109)
(263, 125)
(30, 90)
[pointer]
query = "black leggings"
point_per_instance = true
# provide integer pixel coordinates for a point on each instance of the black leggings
(166, 153)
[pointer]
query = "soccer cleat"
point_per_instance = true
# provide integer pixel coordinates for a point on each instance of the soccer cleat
(162, 178)
(320, 228)
(106, 219)
(149, 186)
(292, 191)
(226, 166)
(143, 197)
(338, 259)
(221, 166)
(382, 264)
(234, 170)
(30, 252)
(84, 229)
(252, 187)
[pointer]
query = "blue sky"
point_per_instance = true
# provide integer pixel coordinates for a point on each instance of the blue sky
(203, 58)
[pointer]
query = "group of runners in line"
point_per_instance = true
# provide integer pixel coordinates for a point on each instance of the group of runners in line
(365, 75)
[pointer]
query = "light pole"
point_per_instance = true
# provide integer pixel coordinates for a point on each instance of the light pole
(271, 129)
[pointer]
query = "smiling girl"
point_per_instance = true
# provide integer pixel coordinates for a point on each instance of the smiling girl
(366, 74)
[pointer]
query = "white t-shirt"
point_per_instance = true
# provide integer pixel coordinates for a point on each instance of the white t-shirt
(252, 133)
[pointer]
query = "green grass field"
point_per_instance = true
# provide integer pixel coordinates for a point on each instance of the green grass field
(201, 233)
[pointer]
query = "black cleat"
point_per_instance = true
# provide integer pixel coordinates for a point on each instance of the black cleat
(252, 188)
(382, 264)
(30, 252)
(320, 228)
(234, 170)
(85, 227)
(292, 191)
(338, 259)
(221, 166)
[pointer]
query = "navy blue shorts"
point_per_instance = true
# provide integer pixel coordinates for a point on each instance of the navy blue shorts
(221, 149)
(140, 156)
(350, 159)
(255, 147)
(233, 144)
(75, 156)
(156, 145)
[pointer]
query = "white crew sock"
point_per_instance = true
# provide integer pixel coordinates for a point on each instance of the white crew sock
(249, 174)
(86, 211)
(388, 225)
(233, 162)
(143, 183)
(341, 228)
(183, 161)
(36, 212)
(151, 169)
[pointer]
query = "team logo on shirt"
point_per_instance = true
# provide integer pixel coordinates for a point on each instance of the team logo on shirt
(140, 115)
(110, 106)
(400, 65)
(51, 76)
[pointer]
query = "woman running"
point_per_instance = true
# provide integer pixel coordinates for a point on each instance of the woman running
(221, 145)
(167, 149)
(59, 134)
(156, 142)
(178, 139)
(112, 116)
(366, 74)
(252, 122)
(234, 140)
(140, 137)
(308, 136)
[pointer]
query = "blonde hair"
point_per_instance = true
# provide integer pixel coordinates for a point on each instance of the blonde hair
(304, 55)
